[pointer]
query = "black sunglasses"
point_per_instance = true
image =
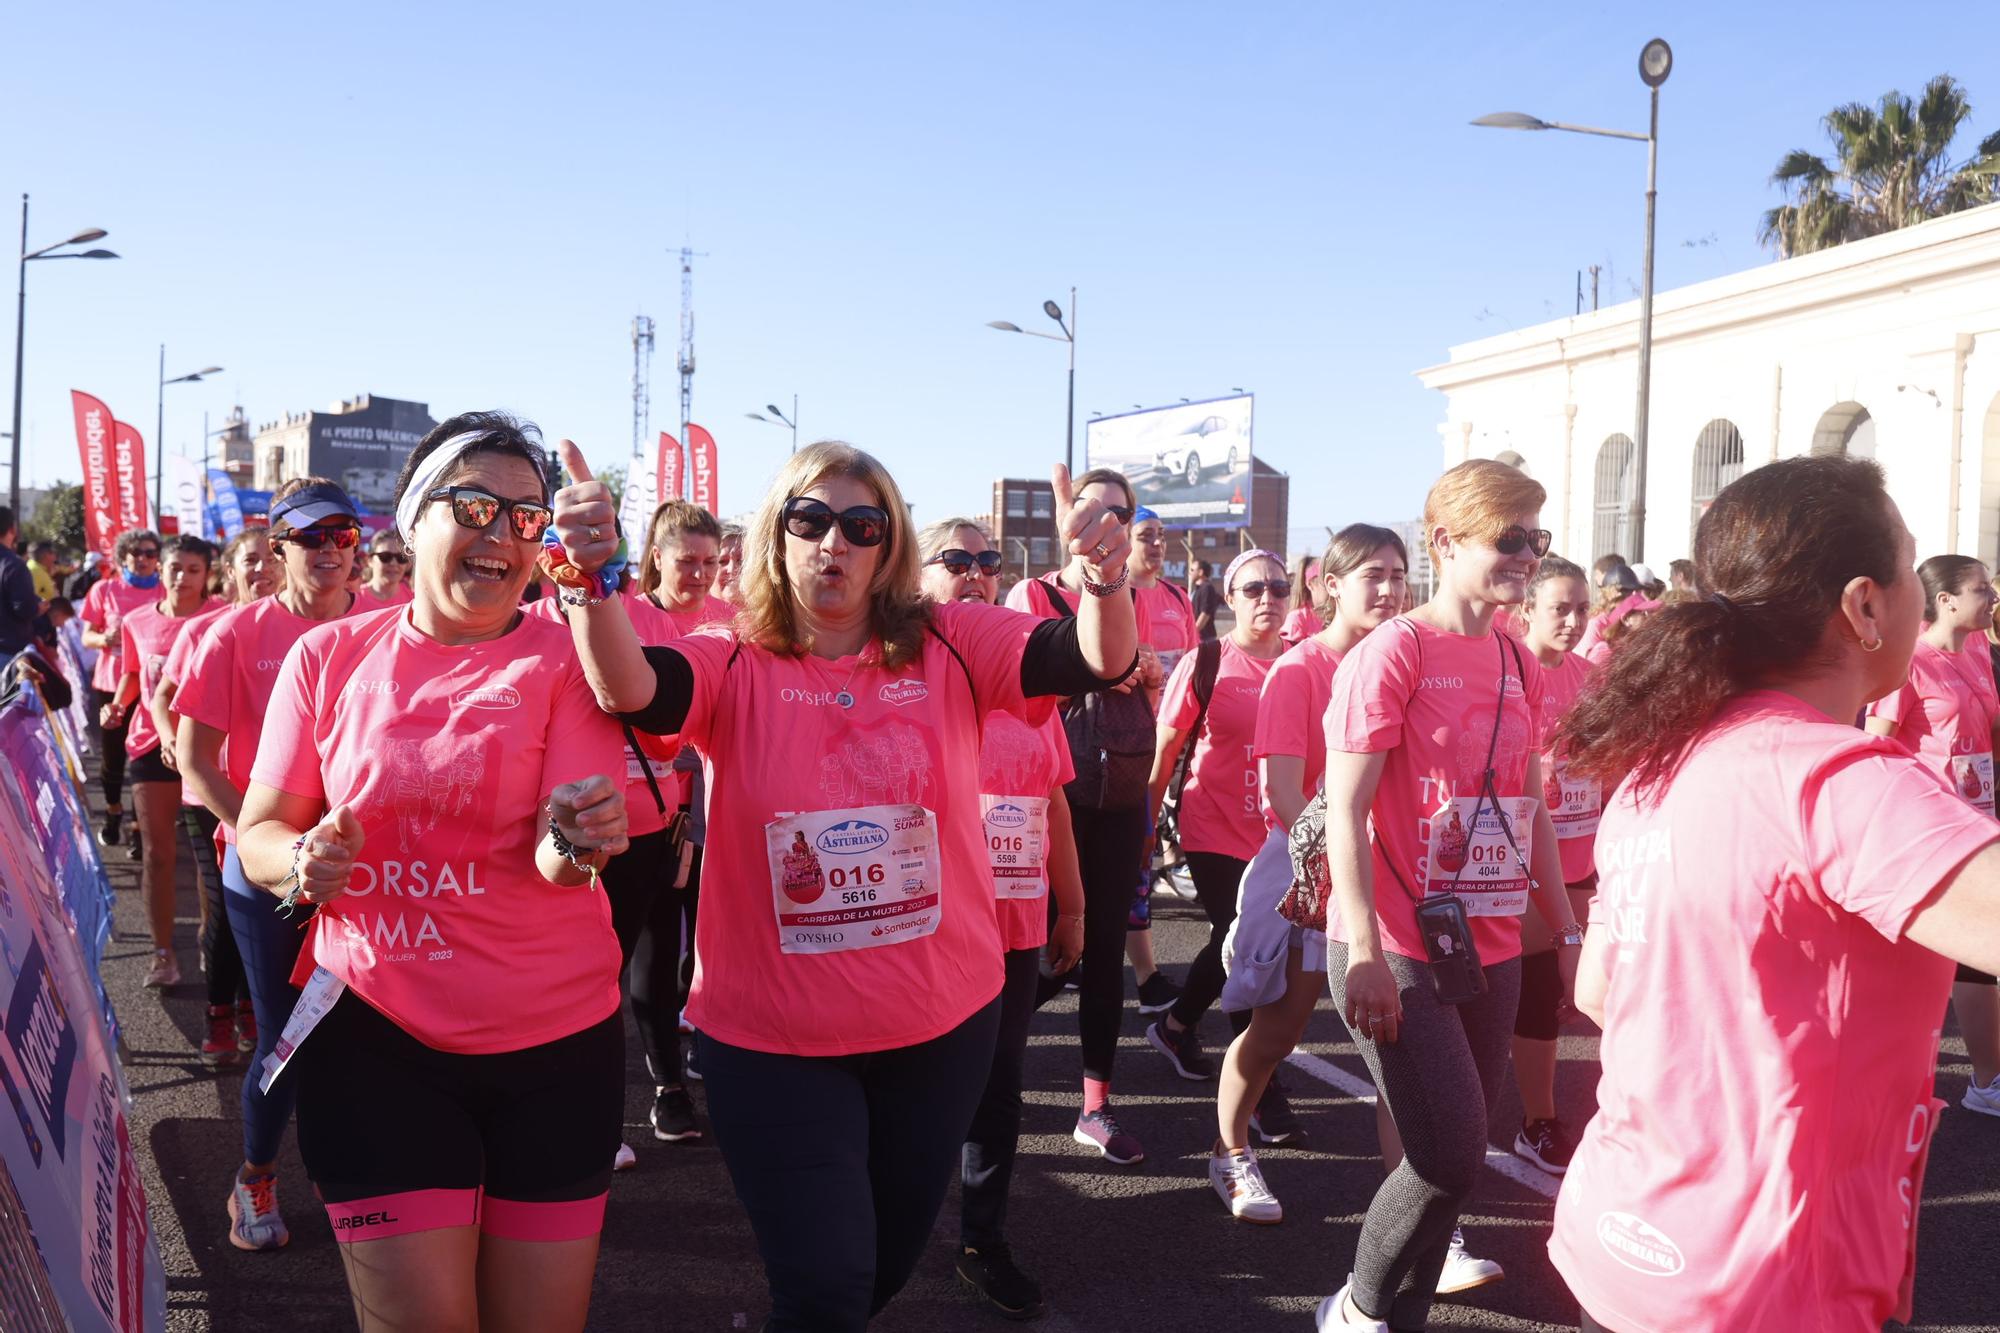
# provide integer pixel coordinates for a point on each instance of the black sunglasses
(960, 562)
(144, 553)
(343, 538)
(1279, 588)
(391, 557)
(474, 508)
(862, 525)
(1515, 537)
(1123, 513)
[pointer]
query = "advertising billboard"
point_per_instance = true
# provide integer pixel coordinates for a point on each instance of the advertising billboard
(364, 447)
(1190, 463)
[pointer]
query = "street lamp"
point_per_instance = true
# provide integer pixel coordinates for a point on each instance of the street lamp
(1068, 335)
(160, 423)
(778, 418)
(1656, 62)
(21, 323)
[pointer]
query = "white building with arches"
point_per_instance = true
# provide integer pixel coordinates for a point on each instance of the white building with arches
(1887, 347)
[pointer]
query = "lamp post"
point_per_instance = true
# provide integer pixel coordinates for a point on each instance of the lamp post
(1068, 335)
(21, 324)
(778, 418)
(160, 423)
(1656, 62)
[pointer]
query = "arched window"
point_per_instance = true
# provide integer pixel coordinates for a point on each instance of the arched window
(1718, 460)
(1845, 428)
(1617, 480)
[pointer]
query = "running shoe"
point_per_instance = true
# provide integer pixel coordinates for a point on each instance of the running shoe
(991, 1271)
(1240, 1185)
(1099, 1129)
(1333, 1314)
(1462, 1271)
(687, 1028)
(218, 1048)
(1547, 1144)
(1984, 1100)
(1273, 1120)
(1157, 994)
(113, 831)
(1183, 1049)
(165, 971)
(624, 1159)
(134, 850)
(688, 1065)
(673, 1117)
(246, 1026)
(254, 1222)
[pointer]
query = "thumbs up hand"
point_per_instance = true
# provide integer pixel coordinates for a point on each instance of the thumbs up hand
(585, 520)
(327, 855)
(1091, 530)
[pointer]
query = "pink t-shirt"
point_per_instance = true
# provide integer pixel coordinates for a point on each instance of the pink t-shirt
(1428, 698)
(1291, 715)
(1591, 647)
(1300, 625)
(445, 754)
(1945, 713)
(1020, 768)
(775, 744)
(150, 635)
(1220, 802)
(227, 683)
(1770, 1039)
(1575, 804)
(188, 640)
(374, 601)
(107, 603)
(1166, 621)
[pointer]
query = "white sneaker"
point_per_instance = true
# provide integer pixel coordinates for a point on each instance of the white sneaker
(1984, 1100)
(164, 971)
(624, 1159)
(1333, 1314)
(1463, 1272)
(1240, 1185)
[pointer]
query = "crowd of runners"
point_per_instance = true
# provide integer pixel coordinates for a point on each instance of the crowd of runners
(454, 792)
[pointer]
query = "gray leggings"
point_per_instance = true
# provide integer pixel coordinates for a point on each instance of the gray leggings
(1440, 1079)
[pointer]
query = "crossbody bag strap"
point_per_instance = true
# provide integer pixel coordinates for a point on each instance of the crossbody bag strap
(632, 739)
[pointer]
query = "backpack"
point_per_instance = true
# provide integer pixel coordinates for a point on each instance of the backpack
(1110, 741)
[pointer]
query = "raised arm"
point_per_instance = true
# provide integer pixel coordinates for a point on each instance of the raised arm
(613, 660)
(1107, 626)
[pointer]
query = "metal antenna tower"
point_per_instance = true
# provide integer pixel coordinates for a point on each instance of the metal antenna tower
(642, 382)
(688, 256)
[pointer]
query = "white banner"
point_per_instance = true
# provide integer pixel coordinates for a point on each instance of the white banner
(642, 497)
(185, 496)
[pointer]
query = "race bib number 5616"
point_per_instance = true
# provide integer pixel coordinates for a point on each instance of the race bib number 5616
(854, 879)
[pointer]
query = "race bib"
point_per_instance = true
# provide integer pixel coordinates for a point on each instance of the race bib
(1575, 804)
(854, 879)
(1476, 862)
(1017, 844)
(322, 991)
(1972, 777)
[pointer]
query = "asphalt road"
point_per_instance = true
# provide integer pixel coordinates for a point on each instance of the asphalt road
(1133, 1249)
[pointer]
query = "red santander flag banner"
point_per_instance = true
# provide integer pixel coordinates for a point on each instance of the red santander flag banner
(128, 475)
(701, 452)
(670, 468)
(94, 432)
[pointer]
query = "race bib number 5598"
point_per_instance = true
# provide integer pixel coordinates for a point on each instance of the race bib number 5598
(854, 879)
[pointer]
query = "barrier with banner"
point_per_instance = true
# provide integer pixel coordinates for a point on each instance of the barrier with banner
(74, 1226)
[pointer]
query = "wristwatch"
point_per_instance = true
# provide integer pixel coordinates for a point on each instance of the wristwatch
(1570, 936)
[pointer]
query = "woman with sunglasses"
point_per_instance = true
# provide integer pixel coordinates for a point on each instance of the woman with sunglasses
(387, 581)
(436, 780)
(1166, 631)
(1022, 770)
(223, 697)
(138, 583)
(1436, 838)
(848, 963)
(1781, 899)
(1219, 825)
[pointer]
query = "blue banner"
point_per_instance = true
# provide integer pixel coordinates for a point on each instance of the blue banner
(228, 512)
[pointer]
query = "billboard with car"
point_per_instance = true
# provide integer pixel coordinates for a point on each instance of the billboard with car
(1189, 463)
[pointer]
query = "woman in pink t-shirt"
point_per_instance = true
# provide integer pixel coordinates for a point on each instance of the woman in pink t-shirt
(1276, 968)
(1780, 899)
(436, 779)
(386, 575)
(1038, 894)
(1166, 632)
(851, 905)
(1436, 838)
(136, 583)
(1219, 814)
(729, 562)
(1309, 616)
(1948, 713)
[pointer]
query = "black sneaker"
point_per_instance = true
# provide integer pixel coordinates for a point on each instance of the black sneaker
(991, 1272)
(688, 1067)
(1547, 1144)
(113, 830)
(134, 849)
(1273, 1120)
(1184, 1049)
(673, 1117)
(1157, 994)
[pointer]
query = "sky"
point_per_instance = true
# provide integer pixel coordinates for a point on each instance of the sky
(467, 207)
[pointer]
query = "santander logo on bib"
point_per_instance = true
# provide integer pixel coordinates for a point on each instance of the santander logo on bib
(1638, 1245)
(904, 691)
(852, 837)
(489, 696)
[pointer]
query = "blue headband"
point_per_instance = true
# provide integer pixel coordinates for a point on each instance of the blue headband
(312, 504)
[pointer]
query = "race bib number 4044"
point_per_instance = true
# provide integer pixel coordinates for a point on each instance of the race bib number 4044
(1477, 859)
(854, 879)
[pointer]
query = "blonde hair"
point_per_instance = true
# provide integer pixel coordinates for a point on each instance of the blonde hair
(1479, 498)
(671, 521)
(937, 536)
(767, 614)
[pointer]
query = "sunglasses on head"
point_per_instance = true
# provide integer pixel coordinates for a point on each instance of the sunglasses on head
(344, 538)
(811, 520)
(1279, 588)
(392, 557)
(961, 563)
(1514, 538)
(474, 508)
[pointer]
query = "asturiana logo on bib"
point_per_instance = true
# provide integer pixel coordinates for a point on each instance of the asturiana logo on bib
(852, 837)
(905, 691)
(1638, 1245)
(489, 696)
(1007, 815)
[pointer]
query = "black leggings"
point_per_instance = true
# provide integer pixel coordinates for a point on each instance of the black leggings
(110, 759)
(1108, 843)
(986, 1166)
(220, 959)
(646, 914)
(1216, 878)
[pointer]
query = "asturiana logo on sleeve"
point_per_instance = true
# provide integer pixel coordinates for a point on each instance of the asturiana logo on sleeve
(1639, 1245)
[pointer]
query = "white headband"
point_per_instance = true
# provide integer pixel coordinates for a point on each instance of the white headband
(436, 463)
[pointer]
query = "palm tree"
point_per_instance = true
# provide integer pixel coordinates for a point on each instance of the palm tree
(1891, 169)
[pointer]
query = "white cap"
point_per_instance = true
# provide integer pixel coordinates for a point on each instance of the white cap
(1645, 575)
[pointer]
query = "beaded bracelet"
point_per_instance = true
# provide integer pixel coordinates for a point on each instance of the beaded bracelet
(1106, 589)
